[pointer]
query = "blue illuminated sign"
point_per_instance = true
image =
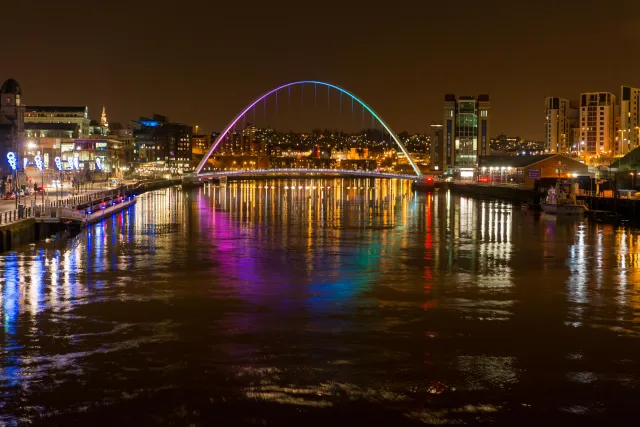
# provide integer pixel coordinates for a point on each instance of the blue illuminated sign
(58, 163)
(13, 160)
(99, 163)
(25, 163)
(150, 123)
(38, 161)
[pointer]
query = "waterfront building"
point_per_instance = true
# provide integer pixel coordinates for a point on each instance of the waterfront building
(93, 154)
(628, 134)
(124, 136)
(50, 130)
(466, 133)
(76, 115)
(527, 169)
(11, 122)
(165, 144)
(597, 124)
(561, 115)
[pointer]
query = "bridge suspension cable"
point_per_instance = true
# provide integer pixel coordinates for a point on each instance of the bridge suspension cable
(329, 86)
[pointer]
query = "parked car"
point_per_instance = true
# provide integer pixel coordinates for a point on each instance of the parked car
(9, 196)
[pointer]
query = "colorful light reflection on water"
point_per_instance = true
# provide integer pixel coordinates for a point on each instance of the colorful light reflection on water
(303, 302)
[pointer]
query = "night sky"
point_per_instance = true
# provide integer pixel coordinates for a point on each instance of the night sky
(200, 64)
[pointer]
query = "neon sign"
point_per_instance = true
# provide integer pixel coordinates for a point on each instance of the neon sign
(99, 163)
(13, 160)
(58, 163)
(25, 163)
(38, 161)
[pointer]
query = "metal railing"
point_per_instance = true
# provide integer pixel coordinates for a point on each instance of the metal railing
(15, 215)
(60, 208)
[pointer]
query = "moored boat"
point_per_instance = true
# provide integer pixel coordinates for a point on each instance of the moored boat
(561, 200)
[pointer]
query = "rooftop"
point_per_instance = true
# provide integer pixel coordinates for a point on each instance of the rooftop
(11, 86)
(511, 161)
(630, 161)
(55, 109)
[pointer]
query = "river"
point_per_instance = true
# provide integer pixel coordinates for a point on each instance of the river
(319, 302)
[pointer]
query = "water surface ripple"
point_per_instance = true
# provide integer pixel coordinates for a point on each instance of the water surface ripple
(319, 302)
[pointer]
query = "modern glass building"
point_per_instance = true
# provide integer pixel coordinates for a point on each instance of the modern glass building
(465, 134)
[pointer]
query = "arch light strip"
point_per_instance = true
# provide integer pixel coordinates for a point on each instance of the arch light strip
(369, 109)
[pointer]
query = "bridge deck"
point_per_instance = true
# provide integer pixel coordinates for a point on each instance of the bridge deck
(304, 172)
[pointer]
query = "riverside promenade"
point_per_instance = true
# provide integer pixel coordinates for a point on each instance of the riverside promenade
(34, 219)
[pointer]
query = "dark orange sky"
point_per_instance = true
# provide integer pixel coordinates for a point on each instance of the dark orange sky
(200, 64)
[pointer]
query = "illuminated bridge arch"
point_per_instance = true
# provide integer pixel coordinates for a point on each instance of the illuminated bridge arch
(231, 125)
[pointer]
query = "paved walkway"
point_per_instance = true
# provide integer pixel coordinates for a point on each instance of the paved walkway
(9, 205)
(9, 211)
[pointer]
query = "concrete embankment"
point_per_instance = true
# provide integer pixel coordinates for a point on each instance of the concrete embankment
(513, 194)
(21, 233)
(624, 207)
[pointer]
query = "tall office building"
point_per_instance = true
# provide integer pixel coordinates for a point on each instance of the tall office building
(561, 116)
(629, 120)
(597, 123)
(466, 131)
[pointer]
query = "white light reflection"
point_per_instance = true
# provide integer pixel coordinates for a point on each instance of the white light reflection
(577, 281)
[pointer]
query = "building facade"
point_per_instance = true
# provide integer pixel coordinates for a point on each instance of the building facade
(11, 123)
(597, 124)
(628, 135)
(243, 143)
(466, 131)
(164, 143)
(78, 116)
(527, 169)
(561, 115)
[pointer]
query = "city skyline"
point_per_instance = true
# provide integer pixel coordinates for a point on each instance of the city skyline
(401, 62)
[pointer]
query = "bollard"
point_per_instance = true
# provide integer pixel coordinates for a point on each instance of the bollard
(10, 216)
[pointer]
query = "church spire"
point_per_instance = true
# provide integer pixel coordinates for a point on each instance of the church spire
(103, 118)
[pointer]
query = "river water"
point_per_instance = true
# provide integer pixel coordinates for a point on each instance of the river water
(319, 302)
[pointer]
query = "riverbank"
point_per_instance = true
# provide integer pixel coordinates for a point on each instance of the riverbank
(513, 193)
(37, 222)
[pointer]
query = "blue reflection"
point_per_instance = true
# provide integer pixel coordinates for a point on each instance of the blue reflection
(11, 371)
